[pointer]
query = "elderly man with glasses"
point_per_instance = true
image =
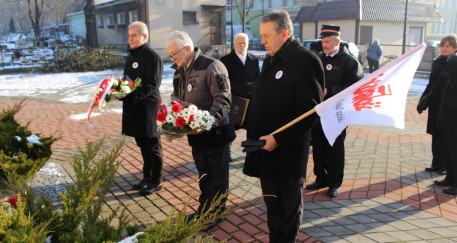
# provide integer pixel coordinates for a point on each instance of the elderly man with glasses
(204, 81)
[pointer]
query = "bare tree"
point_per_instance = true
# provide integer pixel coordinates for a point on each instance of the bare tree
(244, 7)
(36, 16)
(91, 25)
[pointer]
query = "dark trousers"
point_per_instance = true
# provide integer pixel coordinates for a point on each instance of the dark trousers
(151, 150)
(439, 150)
(328, 160)
(451, 145)
(373, 65)
(284, 210)
(213, 170)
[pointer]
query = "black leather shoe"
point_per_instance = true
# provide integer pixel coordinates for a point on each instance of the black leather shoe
(450, 191)
(140, 185)
(315, 186)
(441, 183)
(211, 225)
(333, 192)
(150, 189)
(430, 169)
(442, 172)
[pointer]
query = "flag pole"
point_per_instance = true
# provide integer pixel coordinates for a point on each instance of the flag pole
(291, 123)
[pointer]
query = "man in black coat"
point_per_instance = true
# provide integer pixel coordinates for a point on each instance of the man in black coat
(447, 120)
(140, 106)
(341, 71)
(435, 87)
(243, 69)
(290, 84)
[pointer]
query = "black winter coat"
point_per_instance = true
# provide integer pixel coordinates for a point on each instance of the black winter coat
(140, 106)
(447, 115)
(341, 71)
(290, 84)
(437, 81)
(242, 77)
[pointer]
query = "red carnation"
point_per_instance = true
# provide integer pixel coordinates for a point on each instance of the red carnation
(13, 201)
(191, 118)
(161, 116)
(180, 122)
(131, 84)
(176, 108)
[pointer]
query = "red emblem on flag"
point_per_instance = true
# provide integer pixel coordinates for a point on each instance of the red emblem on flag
(364, 96)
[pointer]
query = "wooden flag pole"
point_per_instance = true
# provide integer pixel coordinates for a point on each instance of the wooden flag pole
(294, 121)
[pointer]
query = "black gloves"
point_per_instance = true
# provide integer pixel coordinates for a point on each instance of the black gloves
(252, 145)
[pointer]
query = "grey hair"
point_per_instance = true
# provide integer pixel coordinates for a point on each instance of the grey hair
(281, 19)
(451, 39)
(142, 28)
(181, 38)
(243, 35)
(376, 41)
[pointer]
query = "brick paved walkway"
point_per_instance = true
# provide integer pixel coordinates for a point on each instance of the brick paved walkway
(386, 195)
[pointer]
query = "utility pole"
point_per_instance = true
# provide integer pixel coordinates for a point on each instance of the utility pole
(403, 50)
(244, 17)
(231, 24)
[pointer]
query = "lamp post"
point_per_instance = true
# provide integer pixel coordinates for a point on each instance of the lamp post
(231, 24)
(404, 28)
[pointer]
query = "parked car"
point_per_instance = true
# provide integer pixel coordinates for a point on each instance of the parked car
(316, 45)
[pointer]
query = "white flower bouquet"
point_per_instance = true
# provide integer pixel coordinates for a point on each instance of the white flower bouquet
(177, 119)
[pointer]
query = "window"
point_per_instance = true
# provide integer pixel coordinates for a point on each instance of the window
(284, 3)
(270, 3)
(366, 34)
(133, 16)
(189, 17)
(121, 18)
(100, 22)
(295, 3)
(110, 20)
(415, 35)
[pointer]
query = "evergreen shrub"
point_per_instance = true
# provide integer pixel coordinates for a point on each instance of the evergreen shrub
(18, 156)
(88, 59)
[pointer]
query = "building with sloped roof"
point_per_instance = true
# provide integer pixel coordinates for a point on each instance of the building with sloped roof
(362, 21)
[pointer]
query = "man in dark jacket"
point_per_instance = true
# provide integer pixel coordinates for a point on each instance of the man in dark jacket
(203, 81)
(374, 53)
(341, 71)
(140, 106)
(290, 84)
(447, 118)
(243, 69)
(435, 87)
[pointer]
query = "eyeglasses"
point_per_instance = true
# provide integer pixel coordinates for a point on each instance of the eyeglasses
(173, 56)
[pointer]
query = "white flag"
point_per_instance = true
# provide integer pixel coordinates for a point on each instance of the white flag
(377, 99)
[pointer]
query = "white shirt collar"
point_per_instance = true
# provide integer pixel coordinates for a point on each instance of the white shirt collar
(338, 50)
(242, 58)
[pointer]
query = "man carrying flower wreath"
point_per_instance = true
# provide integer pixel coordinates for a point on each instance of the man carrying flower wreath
(203, 81)
(140, 106)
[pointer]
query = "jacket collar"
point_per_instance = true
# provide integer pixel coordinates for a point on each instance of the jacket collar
(138, 49)
(198, 53)
(287, 50)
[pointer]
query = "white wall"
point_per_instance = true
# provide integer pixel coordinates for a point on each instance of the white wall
(166, 16)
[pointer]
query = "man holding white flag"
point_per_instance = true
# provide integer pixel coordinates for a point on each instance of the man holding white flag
(341, 71)
(377, 99)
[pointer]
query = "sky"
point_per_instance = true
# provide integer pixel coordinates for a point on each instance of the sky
(80, 87)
